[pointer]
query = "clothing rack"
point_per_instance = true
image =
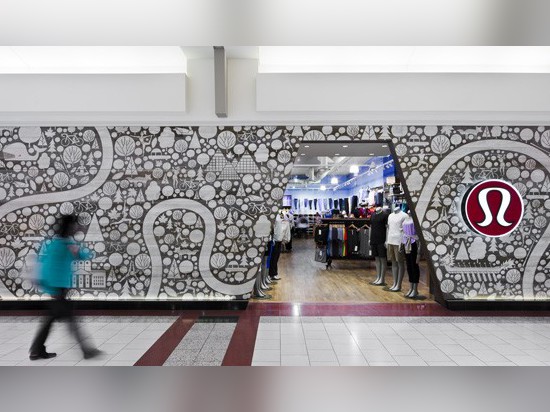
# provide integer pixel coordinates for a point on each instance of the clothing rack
(345, 223)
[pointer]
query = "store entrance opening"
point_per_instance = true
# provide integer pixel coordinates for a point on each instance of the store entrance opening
(344, 232)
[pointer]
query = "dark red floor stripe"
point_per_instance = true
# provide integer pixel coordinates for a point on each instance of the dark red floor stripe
(241, 347)
(165, 345)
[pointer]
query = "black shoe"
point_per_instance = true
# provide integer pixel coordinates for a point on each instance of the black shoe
(42, 355)
(92, 353)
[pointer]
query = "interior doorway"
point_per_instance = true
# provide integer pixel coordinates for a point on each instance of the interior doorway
(339, 187)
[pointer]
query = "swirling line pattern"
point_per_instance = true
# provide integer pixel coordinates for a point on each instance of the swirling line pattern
(183, 212)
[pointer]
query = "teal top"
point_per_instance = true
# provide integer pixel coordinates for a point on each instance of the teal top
(55, 263)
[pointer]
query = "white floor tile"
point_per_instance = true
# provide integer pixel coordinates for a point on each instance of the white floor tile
(268, 344)
(524, 360)
(294, 360)
(383, 364)
(466, 360)
(439, 363)
(322, 356)
(318, 344)
(267, 355)
(324, 363)
(266, 363)
(409, 360)
(293, 349)
(352, 361)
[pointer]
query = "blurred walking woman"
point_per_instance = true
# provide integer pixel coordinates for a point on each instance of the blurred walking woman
(55, 274)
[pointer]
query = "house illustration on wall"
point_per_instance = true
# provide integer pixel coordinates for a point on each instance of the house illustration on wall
(86, 278)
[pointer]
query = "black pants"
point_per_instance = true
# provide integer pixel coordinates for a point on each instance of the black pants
(273, 262)
(60, 308)
(412, 267)
(288, 246)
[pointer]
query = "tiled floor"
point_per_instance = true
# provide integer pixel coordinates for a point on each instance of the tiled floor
(401, 341)
(122, 339)
(204, 345)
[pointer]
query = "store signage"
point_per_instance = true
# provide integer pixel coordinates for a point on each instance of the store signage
(492, 208)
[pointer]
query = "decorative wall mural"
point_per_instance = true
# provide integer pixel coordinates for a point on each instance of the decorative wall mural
(184, 212)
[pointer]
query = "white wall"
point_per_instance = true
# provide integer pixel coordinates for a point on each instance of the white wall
(39, 93)
(429, 99)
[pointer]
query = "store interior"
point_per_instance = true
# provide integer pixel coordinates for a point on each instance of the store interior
(328, 251)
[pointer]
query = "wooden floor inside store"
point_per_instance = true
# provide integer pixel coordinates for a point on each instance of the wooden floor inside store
(304, 280)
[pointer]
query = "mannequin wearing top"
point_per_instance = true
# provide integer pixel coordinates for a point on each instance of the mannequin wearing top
(279, 231)
(378, 224)
(393, 244)
(412, 256)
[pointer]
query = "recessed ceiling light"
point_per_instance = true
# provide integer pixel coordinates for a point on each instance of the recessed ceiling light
(306, 145)
(384, 145)
(323, 187)
(354, 169)
(371, 154)
(334, 181)
(303, 154)
(336, 154)
(344, 145)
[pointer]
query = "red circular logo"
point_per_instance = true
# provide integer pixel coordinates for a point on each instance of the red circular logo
(492, 208)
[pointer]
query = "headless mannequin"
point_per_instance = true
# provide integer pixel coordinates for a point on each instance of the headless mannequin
(413, 257)
(395, 233)
(380, 262)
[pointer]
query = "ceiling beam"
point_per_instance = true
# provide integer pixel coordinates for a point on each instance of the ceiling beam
(220, 81)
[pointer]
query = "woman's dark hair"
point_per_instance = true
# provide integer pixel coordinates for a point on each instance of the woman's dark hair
(66, 225)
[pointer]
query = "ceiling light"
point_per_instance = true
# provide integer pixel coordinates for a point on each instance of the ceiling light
(371, 154)
(404, 59)
(344, 145)
(334, 181)
(323, 187)
(354, 169)
(384, 145)
(303, 154)
(306, 146)
(336, 154)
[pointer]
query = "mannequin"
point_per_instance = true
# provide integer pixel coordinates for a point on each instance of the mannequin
(412, 256)
(393, 243)
(278, 235)
(378, 233)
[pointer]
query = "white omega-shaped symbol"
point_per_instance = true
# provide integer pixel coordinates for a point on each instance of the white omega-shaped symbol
(483, 202)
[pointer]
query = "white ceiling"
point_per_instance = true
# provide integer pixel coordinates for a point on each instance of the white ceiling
(274, 22)
(333, 159)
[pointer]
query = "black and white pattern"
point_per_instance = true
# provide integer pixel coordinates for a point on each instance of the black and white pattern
(184, 212)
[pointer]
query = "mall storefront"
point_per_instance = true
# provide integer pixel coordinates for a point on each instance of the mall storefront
(184, 213)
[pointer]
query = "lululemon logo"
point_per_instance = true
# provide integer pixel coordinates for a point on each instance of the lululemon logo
(492, 208)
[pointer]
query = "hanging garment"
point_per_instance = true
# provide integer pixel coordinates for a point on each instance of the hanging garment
(354, 241)
(310, 204)
(330, 204)
(321, 234)
(335, 244)
(354, 202)
(364, 241)
(296, 201)
(315, 203)
(379, 199)
(346, 205)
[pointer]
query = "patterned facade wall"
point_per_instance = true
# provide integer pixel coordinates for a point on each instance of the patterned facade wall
(184, 212)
